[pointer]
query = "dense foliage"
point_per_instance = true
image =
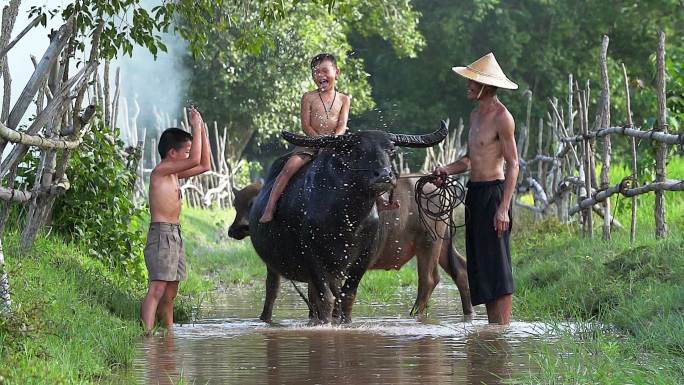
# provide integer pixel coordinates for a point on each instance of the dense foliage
(537, 43)
(98, 210)
(253, 82)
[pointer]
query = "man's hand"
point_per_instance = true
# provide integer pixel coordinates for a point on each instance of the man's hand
(195, 118)
(501, 220)
(441, 173)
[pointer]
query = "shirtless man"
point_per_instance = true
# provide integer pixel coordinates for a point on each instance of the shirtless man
(324, 112)
(183, 156)
(491, 144)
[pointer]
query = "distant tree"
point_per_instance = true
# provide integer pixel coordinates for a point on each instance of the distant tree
(537, 43)
(252, 74)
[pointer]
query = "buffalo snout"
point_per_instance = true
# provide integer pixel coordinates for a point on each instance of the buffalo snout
(383, 179)
(238, 231)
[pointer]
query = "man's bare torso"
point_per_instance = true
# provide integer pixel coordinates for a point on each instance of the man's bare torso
(165, 198)
(324, 115)
(484, 147)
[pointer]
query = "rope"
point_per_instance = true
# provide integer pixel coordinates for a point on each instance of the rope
(439, 204)
(306, 301)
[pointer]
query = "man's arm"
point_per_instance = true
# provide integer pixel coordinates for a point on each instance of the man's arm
(306, 116)
(460, 166)
(344, 116)
(505, 130)
(205, 160)
(167, 168)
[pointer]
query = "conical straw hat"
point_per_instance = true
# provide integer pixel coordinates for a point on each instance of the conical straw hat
(486, 70)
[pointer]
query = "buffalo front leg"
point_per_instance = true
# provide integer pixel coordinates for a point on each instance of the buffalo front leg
(455, 265)
(272, 286)
(351, 285)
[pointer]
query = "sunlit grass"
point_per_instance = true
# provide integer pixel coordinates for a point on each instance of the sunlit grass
(72, 321)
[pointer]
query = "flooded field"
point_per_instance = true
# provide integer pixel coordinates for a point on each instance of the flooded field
(383, 345)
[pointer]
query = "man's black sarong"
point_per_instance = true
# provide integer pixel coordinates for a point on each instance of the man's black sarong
(488, 255)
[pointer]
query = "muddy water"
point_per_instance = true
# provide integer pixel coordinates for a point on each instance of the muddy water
(382, 346)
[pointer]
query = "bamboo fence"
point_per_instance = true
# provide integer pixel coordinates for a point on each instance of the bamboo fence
(566, 179)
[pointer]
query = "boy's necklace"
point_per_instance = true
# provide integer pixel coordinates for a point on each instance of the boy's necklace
(327, 110)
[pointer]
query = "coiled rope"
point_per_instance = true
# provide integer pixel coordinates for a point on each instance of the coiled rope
(437, 205)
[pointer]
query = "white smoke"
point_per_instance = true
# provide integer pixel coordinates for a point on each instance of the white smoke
(157, 86)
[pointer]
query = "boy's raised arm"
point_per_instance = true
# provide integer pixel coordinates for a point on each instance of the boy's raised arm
(205, 160)
(344, 117)
(195, 156)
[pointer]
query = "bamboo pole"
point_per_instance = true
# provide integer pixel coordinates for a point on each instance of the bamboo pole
(655, 136)
(659, 210)
(588, 223)
(58, 42)
(632, 227)
(5, 299)
(540, 165)
(669, 185)
(603, 120)
(107, 99)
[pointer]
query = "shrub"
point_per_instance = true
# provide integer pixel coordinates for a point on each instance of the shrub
(98, 210)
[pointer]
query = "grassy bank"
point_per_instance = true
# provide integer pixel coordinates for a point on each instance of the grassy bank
(72, 321)
(630, 299)
(637, 290)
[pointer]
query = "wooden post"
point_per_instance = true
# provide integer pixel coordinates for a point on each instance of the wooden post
(586, 147)
(107, 98)
(603, 120)
(526, 136)
(5, 300)
(632, 228)
(571, 114)
(540, 167)
(661, 224)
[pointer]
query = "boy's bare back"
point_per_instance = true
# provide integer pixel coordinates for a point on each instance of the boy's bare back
(327, 116)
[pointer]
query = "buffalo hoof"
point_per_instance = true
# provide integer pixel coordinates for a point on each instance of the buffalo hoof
(317, 322)
(266, 319)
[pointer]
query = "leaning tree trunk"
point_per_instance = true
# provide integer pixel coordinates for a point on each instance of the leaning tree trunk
(40, 208)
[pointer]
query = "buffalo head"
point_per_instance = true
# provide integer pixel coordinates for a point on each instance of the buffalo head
(364, 159)
(242, 202)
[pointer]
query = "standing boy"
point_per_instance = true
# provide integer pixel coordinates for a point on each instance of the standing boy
(183, 156)
(491, 145)
(324, 112)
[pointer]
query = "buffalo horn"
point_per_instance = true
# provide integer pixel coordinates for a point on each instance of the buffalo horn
(421, 141)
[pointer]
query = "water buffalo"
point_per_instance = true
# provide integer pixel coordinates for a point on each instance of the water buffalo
(326, 228)
(402, 236)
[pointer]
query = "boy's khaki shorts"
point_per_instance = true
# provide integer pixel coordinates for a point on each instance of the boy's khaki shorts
(164, 255)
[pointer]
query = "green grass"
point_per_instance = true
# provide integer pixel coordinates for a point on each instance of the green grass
(72, 321)
(220, 260)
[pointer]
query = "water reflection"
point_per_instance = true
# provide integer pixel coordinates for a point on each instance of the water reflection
(384, 347)
(160, 360)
